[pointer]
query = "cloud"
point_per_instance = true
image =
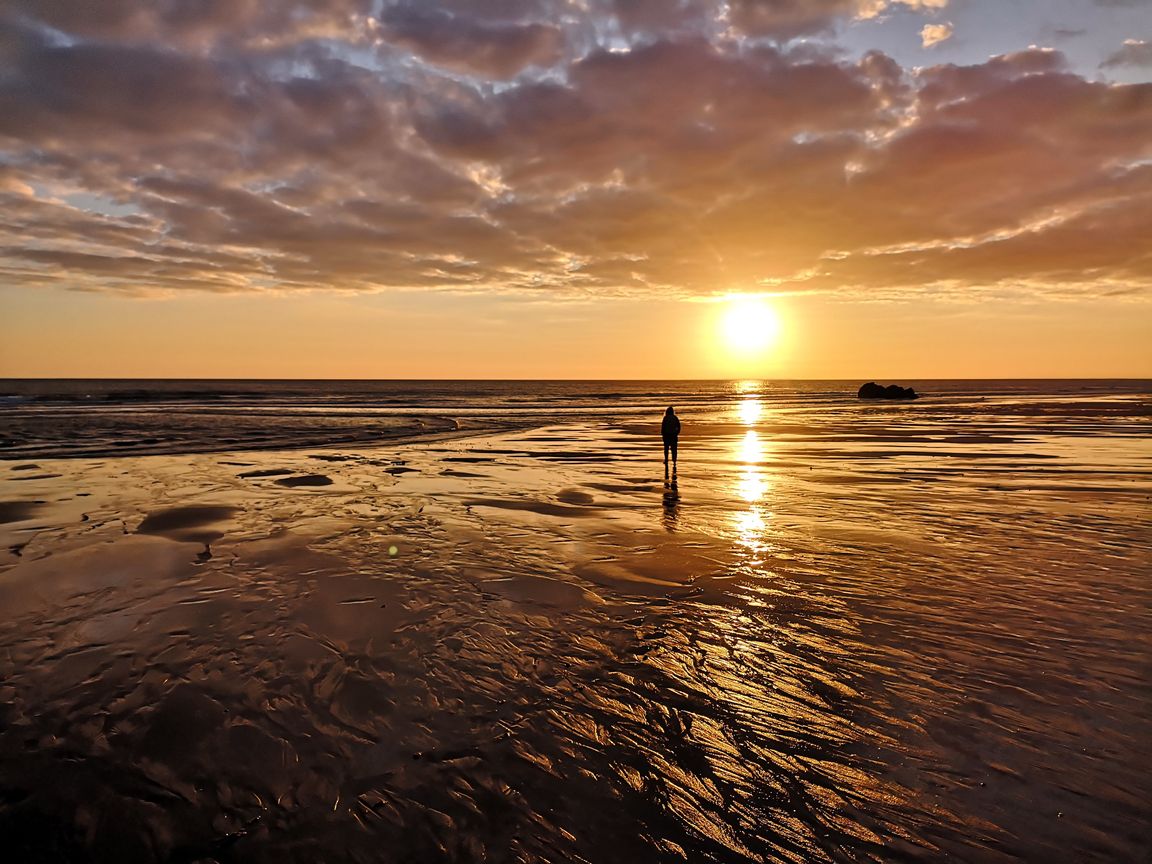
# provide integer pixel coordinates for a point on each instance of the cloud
(70, 88)
(933, 34)
(454, 41)
(1134, 52)
(547, 146)
(791, 18)
(200, 25)
(11, 184)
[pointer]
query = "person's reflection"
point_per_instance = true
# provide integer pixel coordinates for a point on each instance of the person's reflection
(671, 501)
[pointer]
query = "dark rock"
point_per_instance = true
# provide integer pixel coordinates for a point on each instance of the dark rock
(872, 390)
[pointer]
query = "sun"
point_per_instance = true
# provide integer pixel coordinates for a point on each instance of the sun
(749, 325)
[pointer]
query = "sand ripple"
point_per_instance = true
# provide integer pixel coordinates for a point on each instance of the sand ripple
(809, 652)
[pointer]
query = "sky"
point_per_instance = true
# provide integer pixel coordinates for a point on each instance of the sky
(575, 188)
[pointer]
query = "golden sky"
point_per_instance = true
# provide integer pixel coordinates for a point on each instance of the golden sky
(553, 188)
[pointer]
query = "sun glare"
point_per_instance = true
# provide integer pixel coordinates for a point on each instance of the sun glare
(750, 325)
(749, 411)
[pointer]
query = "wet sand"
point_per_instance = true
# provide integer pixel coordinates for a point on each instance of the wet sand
(880, 642)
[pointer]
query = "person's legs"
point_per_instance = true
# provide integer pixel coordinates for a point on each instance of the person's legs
(674, 443)
(666, 446)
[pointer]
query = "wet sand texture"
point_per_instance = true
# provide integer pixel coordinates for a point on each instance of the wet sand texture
(829, 643)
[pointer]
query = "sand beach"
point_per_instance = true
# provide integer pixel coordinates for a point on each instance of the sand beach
(849, 633)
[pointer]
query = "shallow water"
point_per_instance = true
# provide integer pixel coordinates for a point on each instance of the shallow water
(850, 633)
(45, 418)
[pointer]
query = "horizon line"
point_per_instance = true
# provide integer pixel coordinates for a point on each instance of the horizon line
(585, 380)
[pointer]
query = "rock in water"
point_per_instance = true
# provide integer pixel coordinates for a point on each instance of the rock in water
(872, 390)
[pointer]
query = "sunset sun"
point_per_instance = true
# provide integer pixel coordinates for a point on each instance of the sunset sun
(749, 326)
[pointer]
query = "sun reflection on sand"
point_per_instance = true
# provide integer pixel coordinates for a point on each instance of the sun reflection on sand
(750, 410)
(750, 524)
(751, 451)
(751, 529)
(752, 485)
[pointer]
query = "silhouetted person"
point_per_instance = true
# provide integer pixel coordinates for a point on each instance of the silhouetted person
(670, 432)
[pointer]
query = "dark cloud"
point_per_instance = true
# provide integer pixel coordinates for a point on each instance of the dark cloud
(1134, 52)
(545, 145)
(455, 41)
(199, 24)
(659, 16)
(788, 18)
(60, 91)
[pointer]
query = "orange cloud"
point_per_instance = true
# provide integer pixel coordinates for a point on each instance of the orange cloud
(933, 34)
(482, 147)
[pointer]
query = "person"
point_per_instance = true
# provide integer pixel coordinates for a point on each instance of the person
(670, 432)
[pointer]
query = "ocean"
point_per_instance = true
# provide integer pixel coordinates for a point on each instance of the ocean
(41, 418)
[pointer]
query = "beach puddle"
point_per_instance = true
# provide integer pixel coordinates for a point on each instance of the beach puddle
(539, 591)
(19, 511)
(309, 480)
(66, 580)
(193, 523)
(266, 472)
